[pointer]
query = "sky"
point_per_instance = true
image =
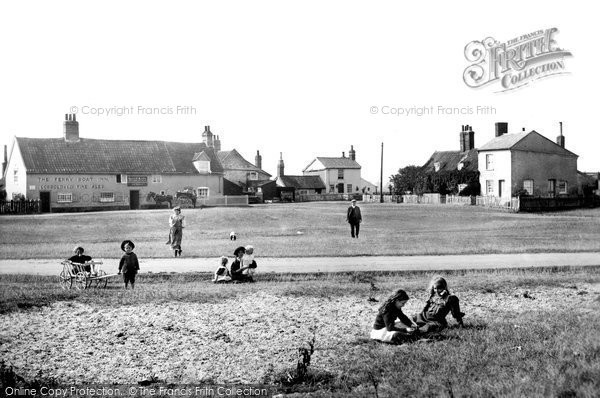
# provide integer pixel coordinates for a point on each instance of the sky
(304, 79)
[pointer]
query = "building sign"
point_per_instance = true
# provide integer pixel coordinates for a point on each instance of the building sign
(137, 181)
(515, 62)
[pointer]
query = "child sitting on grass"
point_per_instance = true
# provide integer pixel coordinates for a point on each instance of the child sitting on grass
(222, 273)
(439, 304)
(248, 262)
(386, 328)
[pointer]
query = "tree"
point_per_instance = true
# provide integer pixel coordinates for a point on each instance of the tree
(409, 179)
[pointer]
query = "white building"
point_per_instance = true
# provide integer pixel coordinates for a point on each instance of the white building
(340, 175)
(526, 161)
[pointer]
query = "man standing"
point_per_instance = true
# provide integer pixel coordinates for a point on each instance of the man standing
(354, 218)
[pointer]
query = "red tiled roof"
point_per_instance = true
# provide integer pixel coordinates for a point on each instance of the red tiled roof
(55, 155)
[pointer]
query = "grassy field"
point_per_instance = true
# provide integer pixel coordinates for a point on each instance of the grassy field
(305, 229)
(528, 333)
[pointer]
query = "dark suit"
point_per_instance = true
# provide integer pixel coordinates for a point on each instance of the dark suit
(354, 218)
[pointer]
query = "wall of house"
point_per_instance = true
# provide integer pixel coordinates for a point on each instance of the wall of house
(501, 170)
(86, 189)
(242, 175)
(330, 177)
(540, 167)
(16, 174)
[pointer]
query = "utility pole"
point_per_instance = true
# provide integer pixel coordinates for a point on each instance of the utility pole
(381, 177)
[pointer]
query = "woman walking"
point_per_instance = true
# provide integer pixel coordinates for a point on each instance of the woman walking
(177, 223)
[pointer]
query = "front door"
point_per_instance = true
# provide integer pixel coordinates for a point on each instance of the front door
(45, 202)
(500, 188)
(340, 188)
(134, 200)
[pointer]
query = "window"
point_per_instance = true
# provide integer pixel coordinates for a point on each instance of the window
(489, 187)
(552, 187)
(253, 175)
(203, 166)
(107, 196)
(121, 178)
(65, 197)
(562, 187)
(163, 192)
(302, 192)
(528, 186)
(489, 161)
(331, 188)
(437, 166)
(157, 179)
(202, 192)
(340, 174)
(349, 188)
(16, 176)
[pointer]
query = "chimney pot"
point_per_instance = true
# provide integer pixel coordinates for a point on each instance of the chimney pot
(560, 140)
(501, 128)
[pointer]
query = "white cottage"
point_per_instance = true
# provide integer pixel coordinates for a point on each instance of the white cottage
(340, 175)
(526, 161)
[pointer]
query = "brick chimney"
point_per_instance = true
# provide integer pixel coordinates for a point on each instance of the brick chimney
(207, 137)
(467, 138)
(280, 166)
(217, 143)
(71, 128)
(501, 128)
(258, 160)
(352, 153)
(560, 140)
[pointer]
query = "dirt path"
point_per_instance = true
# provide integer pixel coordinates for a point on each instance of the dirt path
(329, 264)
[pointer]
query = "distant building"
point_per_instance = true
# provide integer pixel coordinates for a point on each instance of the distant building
(454, 171)
(242, 174)
(75, 173)
(340, 175)
(526, 162)
(302, 184)
(368, 188)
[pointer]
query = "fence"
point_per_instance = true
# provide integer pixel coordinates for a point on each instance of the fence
(460, 200)
(19, 206)
(236, 200)
(511, 204)
(327, 197)
(386, 198)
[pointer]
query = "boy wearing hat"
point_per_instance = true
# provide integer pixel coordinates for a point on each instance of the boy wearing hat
(354, 218)
(237, 270)
(129, 265)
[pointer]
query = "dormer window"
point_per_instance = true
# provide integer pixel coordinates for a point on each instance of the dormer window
(202, 166)
(202, 163)
(437, 166)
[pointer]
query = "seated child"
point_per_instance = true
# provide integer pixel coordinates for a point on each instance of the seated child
(222, 273)
(438, 306)
(391, 325)
(81, 258)
(248, 262)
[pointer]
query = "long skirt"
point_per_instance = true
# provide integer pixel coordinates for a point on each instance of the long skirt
(175, 236)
